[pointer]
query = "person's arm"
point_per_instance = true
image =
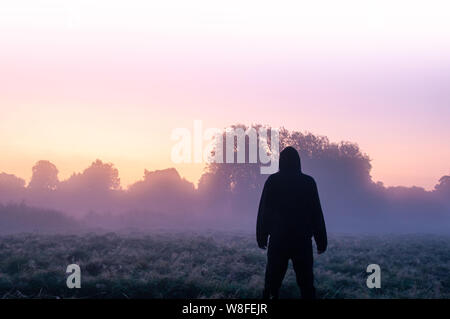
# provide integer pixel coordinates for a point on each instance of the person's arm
(319, 229)
(262, 233)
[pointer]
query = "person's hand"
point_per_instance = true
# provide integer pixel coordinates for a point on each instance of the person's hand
(262, 244)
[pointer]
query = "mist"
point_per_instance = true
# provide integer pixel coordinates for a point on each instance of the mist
(226, 198)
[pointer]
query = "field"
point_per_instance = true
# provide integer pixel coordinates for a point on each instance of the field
(214, 265)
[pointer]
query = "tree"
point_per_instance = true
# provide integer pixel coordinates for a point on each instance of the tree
(97, 177)
(45, 176)
(444, 186)
(9, 182)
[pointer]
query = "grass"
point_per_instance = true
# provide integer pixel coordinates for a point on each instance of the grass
(214, 265)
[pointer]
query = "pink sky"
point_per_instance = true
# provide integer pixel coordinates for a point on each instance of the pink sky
(111, 81)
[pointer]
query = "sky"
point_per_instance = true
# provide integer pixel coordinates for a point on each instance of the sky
(81, 80)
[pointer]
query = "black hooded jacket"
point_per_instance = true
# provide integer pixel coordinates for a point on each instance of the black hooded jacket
(289, 210)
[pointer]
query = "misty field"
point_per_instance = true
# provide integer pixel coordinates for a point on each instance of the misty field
(214, 265)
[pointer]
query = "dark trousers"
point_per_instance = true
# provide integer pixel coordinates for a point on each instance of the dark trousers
(278, 255)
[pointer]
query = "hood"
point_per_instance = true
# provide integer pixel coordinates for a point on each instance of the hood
(289, 160)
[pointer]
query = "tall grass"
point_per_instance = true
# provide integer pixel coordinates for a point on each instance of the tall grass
(214, 265)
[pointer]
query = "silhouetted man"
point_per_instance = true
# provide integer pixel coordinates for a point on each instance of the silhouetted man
(290, 214)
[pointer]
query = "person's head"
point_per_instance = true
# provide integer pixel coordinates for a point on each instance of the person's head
(289, 160)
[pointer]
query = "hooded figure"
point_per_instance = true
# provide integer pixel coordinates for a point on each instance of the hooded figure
(290, 214)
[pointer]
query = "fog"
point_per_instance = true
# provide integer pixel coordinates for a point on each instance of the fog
(226, 198)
